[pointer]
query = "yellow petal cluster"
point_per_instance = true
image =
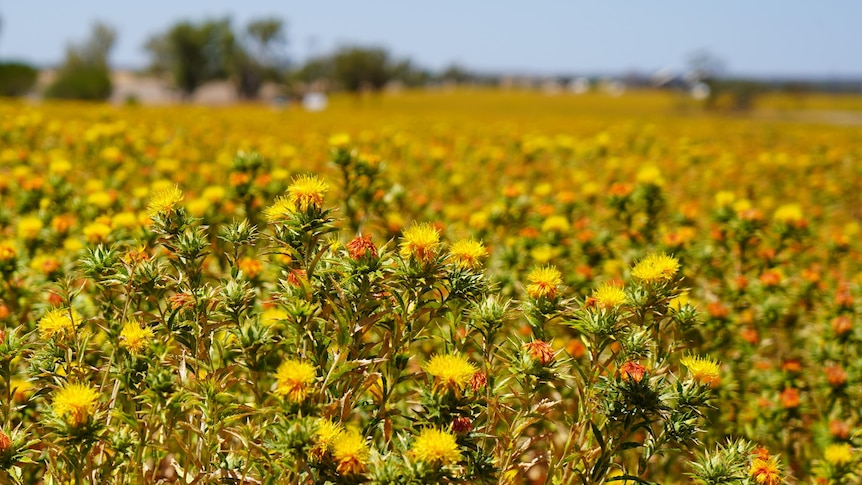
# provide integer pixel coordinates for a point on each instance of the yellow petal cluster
(307, 191)
(436, 447)
(468, 253)
(544, 282)
(452, 371)
(75, 403)
(420, 241)
(134, 337)
(656, 268)
(164, 202)
(294, 379)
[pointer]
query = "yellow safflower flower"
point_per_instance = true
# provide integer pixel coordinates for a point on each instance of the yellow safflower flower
(703, 369)
(58, 321)
(452, 371)
(838, 454)
(307, 191)
(164, 201)
(75, 403)
(279, 211)
(656, 267)
(436, 447)
(556, 224)
(324, 438)
(421, 241)
(544, 281)
(467, 253)
(789, 214)
(134, 337)
(350, 453)
(608, 296)
(29, 227)
(96, 232)
(293, 379)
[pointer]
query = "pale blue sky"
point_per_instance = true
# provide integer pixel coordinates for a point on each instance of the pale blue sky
(757, 37)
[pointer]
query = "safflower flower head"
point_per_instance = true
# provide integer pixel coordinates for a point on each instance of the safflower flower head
(790, 398)
(468, 253)
(75, 403)
(544, 282)
(764, 471)
(632, 371)
(703, 369)
(29, 227)
(97, 232)
(58, 321)
(541, 351)
(339, 140)
(556, 224)
(361, 245)
(280, 210)
(324, 438)
(350, 452)
(134, 337)
(7, 251)
(420, 241)
(293, 380)
(451, 371)
(838, 454)
(478, 381)
(436, 447)
(608, 296)
(656, 268)
(250, 267)
(790, 214)
(5, 442)
(650, 175)
(163, 202)
(306, 192)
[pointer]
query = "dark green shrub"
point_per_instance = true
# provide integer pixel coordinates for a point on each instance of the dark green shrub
(81, 82)
(16, 79)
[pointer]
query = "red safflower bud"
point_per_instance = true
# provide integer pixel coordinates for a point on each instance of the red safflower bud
(790, 398)
(5, 442)
(541, 351)
(836, 376)
(54, 299)
(478, 381)
(632, 371)
(717, 310)
(181, 300)
(839, 429)
(295, 277)
(462, 425)
(842, 324)
(791, 366)
(360, 246)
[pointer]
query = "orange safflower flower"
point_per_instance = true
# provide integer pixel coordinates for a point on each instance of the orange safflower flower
(632, 371)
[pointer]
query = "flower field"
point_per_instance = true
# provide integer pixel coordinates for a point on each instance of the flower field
(441, 287)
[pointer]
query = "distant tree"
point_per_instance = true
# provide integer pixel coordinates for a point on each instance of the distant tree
(457, 74)
(85, 73)
(314, 69)
(409, 74)
(16, 79)
(194, 53)
(357, 68)
(268, 40)
(733, 94)
(262, 56)
(704, 66)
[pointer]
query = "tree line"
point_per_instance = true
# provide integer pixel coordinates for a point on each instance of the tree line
(192, 53)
